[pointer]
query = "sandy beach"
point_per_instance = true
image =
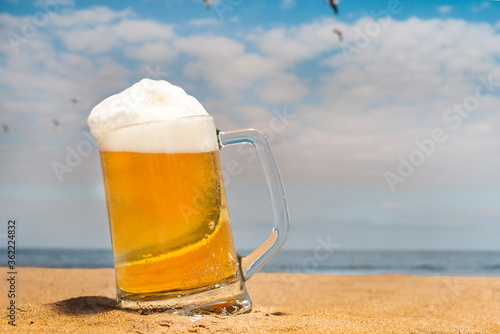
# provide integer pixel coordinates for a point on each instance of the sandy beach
(82, 301)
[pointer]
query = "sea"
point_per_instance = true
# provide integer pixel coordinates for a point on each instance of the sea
(335, 262)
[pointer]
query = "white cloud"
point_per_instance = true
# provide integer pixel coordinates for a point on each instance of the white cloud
(284, 88)
(223, 63)
(101, 38)
(359, 116)
(373, 108)
(444, 9)
(7, 20)
(297, 43)
(89, 17)
(136, 31)
(156, 52)
(210, 47)
(480, 7)
(287, 4)
(409, 68)
(204, 22)
(391, 205)
(93, 40)
(43, 79)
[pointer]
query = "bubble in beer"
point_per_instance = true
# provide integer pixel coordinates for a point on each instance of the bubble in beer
(211, 225)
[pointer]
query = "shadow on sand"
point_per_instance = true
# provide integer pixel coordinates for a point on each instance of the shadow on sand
(85, 305)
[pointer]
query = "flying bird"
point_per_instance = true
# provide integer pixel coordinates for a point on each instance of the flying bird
(6, 129)
(334, 6)
(339, 33)
(75, 102)
(57, 124)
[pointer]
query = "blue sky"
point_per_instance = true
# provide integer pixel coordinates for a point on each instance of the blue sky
(387, 140)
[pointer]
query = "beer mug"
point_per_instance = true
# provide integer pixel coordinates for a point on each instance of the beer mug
(172, 241)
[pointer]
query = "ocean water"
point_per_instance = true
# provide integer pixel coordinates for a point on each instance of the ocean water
(337, 262)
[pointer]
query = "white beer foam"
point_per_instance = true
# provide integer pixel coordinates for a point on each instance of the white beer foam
(193, 134)
(153, 117)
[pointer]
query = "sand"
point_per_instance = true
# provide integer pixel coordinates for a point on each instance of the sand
(82, 301)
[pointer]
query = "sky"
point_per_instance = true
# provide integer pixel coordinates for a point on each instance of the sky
(386, 139)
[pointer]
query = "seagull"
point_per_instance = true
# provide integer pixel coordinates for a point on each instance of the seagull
(75, 102)
(339, 33)
(6, 129)
(57, 124)
(334, 6)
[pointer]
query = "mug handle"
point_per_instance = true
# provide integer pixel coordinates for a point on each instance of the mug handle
(254, 261)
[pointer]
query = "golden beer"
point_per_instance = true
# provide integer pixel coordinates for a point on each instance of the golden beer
(169, 221)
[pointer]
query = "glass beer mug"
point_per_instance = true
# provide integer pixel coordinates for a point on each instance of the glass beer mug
(172, 241)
